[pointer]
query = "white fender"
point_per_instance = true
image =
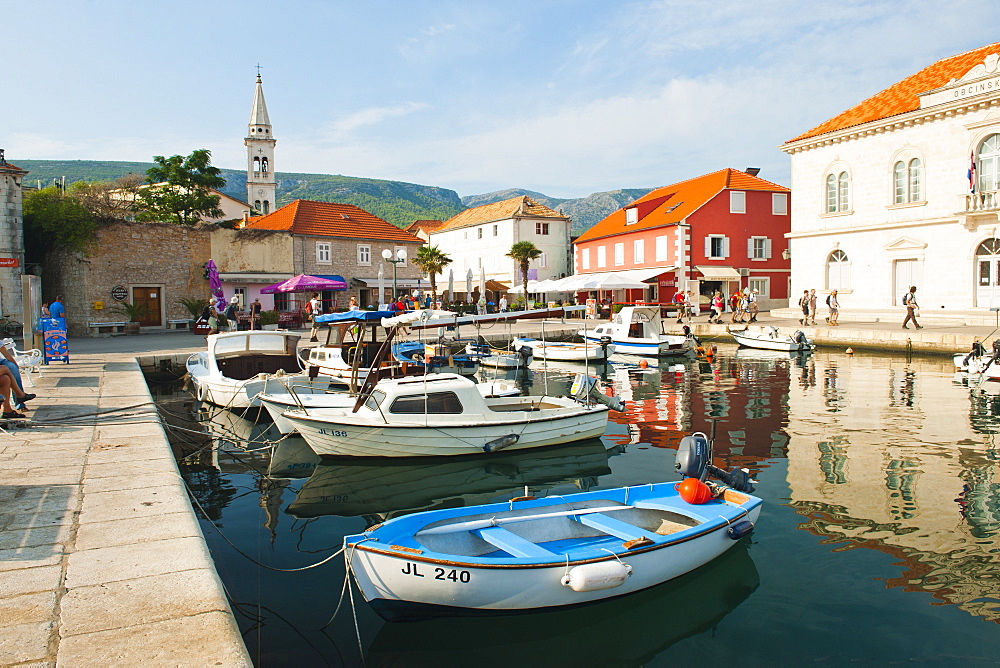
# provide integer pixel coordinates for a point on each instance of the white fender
(594, 577)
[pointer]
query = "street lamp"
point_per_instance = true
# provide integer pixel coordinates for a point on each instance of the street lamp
(400, 257)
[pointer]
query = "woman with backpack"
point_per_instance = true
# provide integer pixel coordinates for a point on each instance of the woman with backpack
(834, 306)
(314, 307)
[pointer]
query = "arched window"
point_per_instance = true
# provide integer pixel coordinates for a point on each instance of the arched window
(989, 163)
(916, 180)
(256, 165)
(838, 188)
(256, 204)
(843, 188)
(899, 182)
(263, 165)
(838, 271)
(907, 181)
(267, 207)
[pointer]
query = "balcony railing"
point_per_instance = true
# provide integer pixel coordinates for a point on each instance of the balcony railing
(982, 202)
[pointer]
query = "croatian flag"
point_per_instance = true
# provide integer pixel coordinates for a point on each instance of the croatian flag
(972, 173)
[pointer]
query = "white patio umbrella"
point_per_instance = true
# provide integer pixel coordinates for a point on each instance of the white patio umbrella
(482, 281)
(468, 285)
(451, 285)
(381, 284)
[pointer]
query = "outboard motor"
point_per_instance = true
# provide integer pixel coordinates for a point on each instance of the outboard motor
(605, 342)
(584, 389)
(799, 336)
(526, 353)
(693, 455)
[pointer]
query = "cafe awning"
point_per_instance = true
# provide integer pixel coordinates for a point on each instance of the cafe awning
(718, 273)
(252, 277)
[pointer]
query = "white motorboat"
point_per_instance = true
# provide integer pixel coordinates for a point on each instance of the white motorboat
(975, 361)
(565, 351)
(276, 404)
(237, 367)
(767, 337)
(639, 330)
(486, 355)
(535, 554)
(444, 414)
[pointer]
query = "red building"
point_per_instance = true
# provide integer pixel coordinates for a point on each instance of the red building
(721, 231)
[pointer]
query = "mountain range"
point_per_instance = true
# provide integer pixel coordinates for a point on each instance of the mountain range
(397, 202)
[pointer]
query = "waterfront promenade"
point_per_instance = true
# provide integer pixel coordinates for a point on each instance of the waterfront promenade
(102, 558)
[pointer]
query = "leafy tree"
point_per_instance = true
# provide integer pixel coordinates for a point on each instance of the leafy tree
(110, 200)
(182, 188)
(54, 220)
(523, 253)
(432, 260)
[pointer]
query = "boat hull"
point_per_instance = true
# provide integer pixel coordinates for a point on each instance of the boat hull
(344, 437)
(566, 352)
(401, 580)
(674, 345)
(776, 344)
(236, 394)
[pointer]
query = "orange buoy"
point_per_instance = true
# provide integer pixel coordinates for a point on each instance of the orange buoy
(694, 491)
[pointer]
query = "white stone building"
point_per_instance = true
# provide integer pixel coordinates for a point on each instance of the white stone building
(482, 236)
(261, 186)
(11, 238)
(884, 199)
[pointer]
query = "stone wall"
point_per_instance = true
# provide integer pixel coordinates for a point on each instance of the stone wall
(11, 239)
(165, 256)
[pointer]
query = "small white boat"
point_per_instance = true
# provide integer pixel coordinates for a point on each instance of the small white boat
(639, 330)
(533, 554)
(433, 358)
(565, 351)
(486, 355)
(767, 337)
(237, 367)
(276, 404)
(973, 362)
(444, 414)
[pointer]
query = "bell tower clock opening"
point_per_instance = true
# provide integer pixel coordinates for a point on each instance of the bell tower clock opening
(260, 142)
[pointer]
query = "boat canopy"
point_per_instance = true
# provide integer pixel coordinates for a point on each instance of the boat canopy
(354, 316)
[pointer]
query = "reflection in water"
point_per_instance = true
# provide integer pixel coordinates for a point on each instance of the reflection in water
(625, 631)
(889, 462)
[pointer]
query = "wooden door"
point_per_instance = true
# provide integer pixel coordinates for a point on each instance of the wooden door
(151, 297)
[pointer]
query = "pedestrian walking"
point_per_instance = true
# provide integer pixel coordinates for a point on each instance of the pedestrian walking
(231, 310)
(255, 308)
(753, 306)
(718, 305)
(910, 302)
(693, 303)
(679, 303)
(834, 306)
(314, 307)
(804, 305)
(734, 305)
(812, 305)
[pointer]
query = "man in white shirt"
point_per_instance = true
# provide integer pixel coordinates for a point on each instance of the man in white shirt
(315, 309)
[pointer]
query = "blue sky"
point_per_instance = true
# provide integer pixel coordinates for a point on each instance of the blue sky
(563, 97)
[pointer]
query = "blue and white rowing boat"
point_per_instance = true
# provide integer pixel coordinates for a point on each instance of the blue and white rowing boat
(638, 330)
(530, 554)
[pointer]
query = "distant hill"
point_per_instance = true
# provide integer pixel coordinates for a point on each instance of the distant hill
(394, 201)
(584, 212)
(398, 202)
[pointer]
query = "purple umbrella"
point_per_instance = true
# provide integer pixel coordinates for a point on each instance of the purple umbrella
(304, 283)
(215, 285)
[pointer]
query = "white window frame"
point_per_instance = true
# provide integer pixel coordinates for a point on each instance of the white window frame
(323, 253)
(763, 285)
(662, 248)
(620, 254)
(543, 261)
(638, 251)
(584, 258)
(724, 242)
(779, 204)
(364, 255)
(737, 201)
(838, 271)
(541, 229)
(631, 215)
(602, 256)
(759, 248)
(395, 256)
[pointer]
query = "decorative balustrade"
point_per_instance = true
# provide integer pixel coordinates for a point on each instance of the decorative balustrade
(981, 202)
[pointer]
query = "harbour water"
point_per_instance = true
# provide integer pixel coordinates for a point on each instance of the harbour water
(879, 541)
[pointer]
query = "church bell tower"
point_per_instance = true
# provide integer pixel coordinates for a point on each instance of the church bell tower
(260, 143)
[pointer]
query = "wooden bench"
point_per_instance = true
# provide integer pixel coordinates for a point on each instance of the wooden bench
(513, 544)
(98, 328)
(179, 323)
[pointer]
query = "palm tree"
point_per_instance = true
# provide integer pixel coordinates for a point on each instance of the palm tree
(524, 252)
(432, 261)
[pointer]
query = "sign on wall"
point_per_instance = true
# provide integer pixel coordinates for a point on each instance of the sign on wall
(9, 262)
(119, 293)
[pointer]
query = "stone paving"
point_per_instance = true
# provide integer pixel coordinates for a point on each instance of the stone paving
(102, 561)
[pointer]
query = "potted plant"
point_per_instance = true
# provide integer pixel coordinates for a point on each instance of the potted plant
(269, 320)
(134, 313)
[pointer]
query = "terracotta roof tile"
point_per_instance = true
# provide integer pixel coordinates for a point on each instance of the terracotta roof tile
(508, 208)
(672, 204)
(11, 166)
(330, 219)
(426, 225)
(902, 97)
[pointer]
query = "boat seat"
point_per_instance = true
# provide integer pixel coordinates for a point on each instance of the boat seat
(513, 544)
(612, 526)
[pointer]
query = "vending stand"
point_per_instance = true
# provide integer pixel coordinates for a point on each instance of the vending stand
(55, 346)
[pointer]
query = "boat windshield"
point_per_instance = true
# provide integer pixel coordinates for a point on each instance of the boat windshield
(258, 342)
(432, 402)
(374, 399)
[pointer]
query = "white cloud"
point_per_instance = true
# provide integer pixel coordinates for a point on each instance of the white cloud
(372, 116)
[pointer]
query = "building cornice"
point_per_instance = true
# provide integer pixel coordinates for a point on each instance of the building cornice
(871, 228)
(899, 122)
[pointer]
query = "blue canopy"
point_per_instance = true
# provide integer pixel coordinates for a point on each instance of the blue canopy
(354, 316)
